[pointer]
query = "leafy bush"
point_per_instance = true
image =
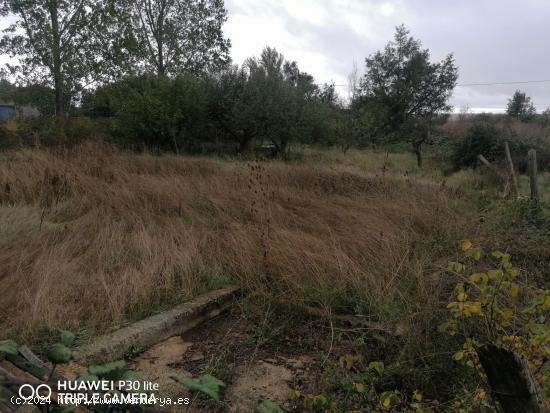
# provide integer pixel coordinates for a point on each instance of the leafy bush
(487, 138)
(50, 131)
(491, 306)
(267, 99)
(156, 112)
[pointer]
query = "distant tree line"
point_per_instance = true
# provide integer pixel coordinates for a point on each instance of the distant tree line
(159, 72)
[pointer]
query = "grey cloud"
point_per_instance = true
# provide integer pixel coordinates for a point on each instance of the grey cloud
(492, 40)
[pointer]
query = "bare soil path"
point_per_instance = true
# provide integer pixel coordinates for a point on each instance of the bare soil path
(231, 348)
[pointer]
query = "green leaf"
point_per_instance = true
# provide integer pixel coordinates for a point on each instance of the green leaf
(108, 371)
(67, 338)
(206, 384)
(87, 377)
(359, 387)
(456, 266)
(459, 355)
(319, 400)
(268, 406)
(59, 354)
(465, 245)
(8, 347)
(347, 361)
(474, 278)
(388, 399)
(378, 366)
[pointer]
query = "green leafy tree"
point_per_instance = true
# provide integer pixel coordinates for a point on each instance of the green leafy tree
(173, 36)
(56, 42)
(545, 118)
(401, 89)
(521, 107)
(285, 94)
(324, 112)
(236, 107)
(156, 111)
(267, 99)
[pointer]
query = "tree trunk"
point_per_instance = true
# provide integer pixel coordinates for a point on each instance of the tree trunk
(511, 381)
(511, 168)
(160, 40)
(58, 85)
(56, 58)
(161, 68)
(243, 145)
(417, 148)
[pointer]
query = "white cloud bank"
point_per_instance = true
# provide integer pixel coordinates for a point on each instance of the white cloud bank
(492, 40)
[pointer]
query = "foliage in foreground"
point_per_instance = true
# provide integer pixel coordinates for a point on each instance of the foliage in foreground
(492, 307)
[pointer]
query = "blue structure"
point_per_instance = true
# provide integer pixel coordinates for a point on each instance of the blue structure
(7, 112)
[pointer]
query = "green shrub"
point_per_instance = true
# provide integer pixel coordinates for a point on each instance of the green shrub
(157, 112)
(51, 131)
(487, 138)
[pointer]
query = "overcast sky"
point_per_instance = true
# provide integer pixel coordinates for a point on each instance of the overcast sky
(492, 40)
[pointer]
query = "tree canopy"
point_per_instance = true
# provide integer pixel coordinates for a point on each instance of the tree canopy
(520, 106)
(55, 42)
(402, 87)
(176, 36)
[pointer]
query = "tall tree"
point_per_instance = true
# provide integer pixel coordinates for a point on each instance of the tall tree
(402, 88)
(353, 83)
(237, 107)
(521, 107)
(54, 41)
(174, 36)
(284, 93)
(269, 99)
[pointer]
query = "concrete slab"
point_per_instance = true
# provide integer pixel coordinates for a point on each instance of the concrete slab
(152, 330)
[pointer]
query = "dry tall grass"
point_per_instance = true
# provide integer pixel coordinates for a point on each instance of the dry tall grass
(93, 237)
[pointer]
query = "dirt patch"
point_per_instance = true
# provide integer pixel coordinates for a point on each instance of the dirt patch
(260, 381)
(254, 362)
(249, 351)
(162, 361)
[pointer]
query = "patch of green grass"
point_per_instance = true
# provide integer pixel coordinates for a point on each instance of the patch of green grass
(544, 186)
(398, 147)
(394, 160)
(211, 279)
(133, 352)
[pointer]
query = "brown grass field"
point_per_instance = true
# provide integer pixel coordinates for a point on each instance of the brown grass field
(93, 237)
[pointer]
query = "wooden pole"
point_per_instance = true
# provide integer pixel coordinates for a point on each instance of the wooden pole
(485, 162)
(511, 381)
(533, 179)
(495, 170)
(511, 167)
(491, 167)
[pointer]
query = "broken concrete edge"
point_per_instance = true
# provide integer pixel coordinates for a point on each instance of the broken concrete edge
(162, 326)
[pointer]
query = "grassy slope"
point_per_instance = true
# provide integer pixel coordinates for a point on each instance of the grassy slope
(92, 238)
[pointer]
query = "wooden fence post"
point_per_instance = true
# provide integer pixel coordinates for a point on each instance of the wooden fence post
(495, 170)
(533, 179)
(485, 162)
(511, 167)
(512, 382)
